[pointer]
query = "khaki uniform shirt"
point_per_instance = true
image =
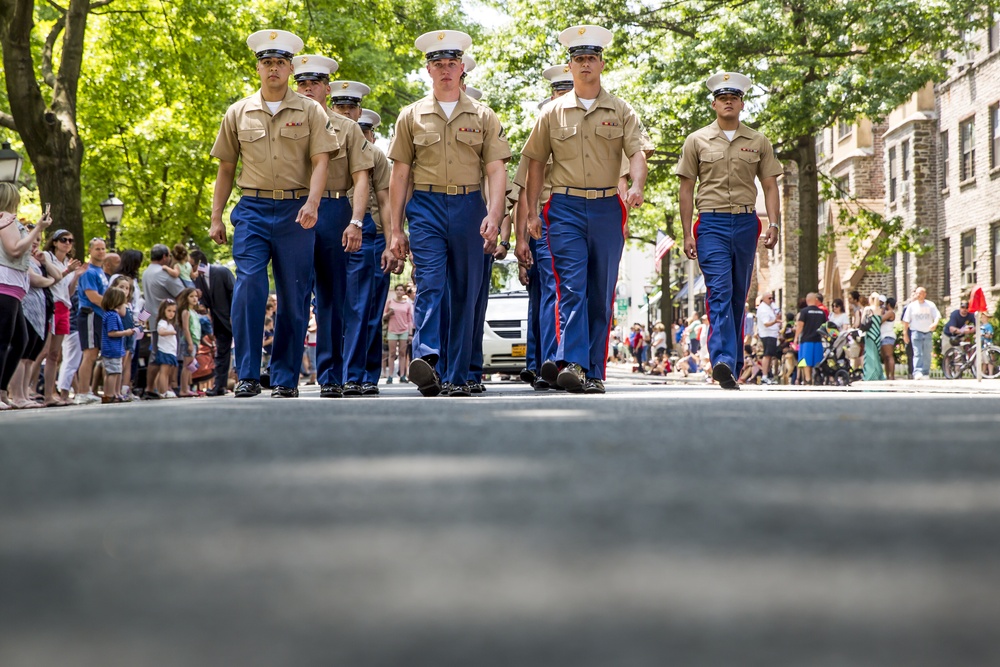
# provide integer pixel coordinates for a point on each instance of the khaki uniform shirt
(275, 149)
(586, 146)
(443, 151)
(378, 181)
(725, 170)
(354, 154)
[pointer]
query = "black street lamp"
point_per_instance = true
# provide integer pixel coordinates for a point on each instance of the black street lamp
(10, 164)
(648, 289)
(112, 208)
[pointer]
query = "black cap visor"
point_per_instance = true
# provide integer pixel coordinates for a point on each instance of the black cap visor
(728, 91)
(345, 101)
(585, 50)
(447, 53)
(562, 85)
(312, 76)
(274, 53)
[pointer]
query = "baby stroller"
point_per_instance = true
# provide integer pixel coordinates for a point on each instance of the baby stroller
(839, 348)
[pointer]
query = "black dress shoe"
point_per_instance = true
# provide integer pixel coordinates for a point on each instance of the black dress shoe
(278, 391)
(475, 387)
(425, 377)
(723, 374)
(550, 372)
(458, 390)
(247, 388)
(572, 378)
(593, 386)
(369, 389)
(351, 389)
(331, 391)
(265, 379)
(541, 385)
(527, 376)
(216, 392)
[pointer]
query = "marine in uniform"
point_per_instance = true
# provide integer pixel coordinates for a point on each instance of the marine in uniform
(378, 202)
(447, 144)
(532, 251)
(283, 141)
(340, 261)
(585, 133)
(724, 158)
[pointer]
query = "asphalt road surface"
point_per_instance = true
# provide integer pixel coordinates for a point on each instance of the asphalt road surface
(656, 525)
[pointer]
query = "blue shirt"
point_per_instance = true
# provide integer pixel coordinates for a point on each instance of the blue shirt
(112, 348)
(92, 279)
(959, 322)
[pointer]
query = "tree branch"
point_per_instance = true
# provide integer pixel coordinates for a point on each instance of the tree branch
(61, 10)
(6, 120)
(50, 42)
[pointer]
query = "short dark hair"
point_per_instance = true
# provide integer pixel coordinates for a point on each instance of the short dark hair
(158, 252)
(198, 257)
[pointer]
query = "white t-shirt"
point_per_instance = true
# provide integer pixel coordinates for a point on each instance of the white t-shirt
(448, 107)
(273, 106)
(840, 319)
(765, 314)
(729, 134)
(60, 289)
(921, 316)
(587, 103)
(167, 341)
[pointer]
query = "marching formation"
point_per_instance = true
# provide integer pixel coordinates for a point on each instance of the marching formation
(321, 205)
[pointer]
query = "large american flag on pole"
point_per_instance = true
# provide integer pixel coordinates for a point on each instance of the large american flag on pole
(663, 245)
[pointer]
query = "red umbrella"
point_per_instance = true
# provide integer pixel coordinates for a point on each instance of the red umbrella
(977, 304)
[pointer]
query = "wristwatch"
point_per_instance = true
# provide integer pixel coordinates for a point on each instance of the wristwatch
(774, 224)
(357, 223)
(505, 244)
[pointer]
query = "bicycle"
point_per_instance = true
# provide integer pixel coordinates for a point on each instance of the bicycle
(964, 357)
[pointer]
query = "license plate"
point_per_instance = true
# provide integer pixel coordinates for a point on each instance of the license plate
(518, 350)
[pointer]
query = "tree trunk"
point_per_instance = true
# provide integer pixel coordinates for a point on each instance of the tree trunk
(48, 130)
(805, 157)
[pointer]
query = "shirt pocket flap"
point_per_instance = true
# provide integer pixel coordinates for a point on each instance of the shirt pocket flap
(564, 133)
(711, 156)
(609, 131)
(426, 139)
(295, 132)
(470, 138)
(747, 156)
(251, 135)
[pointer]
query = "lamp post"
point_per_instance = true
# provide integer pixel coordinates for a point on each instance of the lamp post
(112, 208)
(648, 289)
(10, 164)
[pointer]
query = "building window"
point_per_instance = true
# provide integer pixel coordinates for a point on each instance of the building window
(995, 242)
(967, 149)
(843, 185)
(906, 160)
(819, 146)
(994, 34)
(843, 129)
(906, 275)
(995, 136)
(969, 258)
(946, 265)
(892, 174)
(944, 159)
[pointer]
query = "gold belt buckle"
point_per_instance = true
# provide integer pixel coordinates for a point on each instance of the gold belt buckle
(277, 194)
(451, 189)
(591, 194)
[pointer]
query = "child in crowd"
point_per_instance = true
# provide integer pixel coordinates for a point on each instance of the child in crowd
(166, 348)
(127, 285)
(113, 342)
(189, 330)
(180, 255)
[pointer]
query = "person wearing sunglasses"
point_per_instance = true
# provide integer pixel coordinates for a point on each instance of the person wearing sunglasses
(60, 265)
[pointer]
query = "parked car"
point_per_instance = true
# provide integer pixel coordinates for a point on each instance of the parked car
(505, 334)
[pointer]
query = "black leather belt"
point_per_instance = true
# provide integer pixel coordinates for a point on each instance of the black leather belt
(447, 189)
(599, 193)
(276, 194)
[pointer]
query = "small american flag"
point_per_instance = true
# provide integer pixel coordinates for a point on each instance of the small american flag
(663, 245)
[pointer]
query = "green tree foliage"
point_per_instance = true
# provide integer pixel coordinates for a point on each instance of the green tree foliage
(158, 75)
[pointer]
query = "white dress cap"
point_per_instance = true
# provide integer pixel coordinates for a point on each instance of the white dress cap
(474, 93)
(559, 76)
(370, 118)
(348, 92)
(313, 68)
(585, 39)
(728, 83)
(443, 44)
(469, 62)
(274, 44)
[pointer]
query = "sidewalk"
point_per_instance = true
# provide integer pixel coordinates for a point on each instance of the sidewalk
(622, 374)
